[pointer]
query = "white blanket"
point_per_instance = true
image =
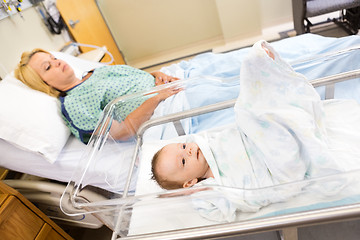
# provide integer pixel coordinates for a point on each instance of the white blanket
(283, 133)
(173, 104)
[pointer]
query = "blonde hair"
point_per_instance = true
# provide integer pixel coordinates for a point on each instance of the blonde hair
(30, 77)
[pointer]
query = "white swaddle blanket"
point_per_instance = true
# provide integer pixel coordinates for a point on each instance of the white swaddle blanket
(280, 136)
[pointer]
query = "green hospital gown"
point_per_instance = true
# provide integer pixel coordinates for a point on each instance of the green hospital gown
(83, 104)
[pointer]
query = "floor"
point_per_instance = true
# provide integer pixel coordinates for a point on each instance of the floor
(334, 231)
(349, 230)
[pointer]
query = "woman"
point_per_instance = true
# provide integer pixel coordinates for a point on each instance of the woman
(82, 100)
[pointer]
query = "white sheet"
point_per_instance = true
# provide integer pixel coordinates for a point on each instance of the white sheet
(21, 160)
(102, 175)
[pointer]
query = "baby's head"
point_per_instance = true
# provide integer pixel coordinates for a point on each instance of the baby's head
(179, 165)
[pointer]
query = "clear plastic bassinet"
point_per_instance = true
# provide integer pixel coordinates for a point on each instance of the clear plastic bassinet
(131, 213)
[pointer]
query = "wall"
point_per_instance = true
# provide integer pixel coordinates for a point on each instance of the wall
(275, 12)
(147, 31)
(19, 35)
(239, 18)
(151, 31)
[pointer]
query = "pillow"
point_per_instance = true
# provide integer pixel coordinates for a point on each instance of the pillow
(31, 120)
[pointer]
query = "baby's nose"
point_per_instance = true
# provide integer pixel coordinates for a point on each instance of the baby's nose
(189, 150)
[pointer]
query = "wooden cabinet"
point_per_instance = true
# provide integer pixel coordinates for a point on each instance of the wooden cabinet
(20, 219)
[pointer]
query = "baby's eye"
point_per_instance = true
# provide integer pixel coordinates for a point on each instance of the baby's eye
(183, 161)
(184, 146)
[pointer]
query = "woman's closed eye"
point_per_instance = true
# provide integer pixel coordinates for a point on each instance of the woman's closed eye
(47, 68)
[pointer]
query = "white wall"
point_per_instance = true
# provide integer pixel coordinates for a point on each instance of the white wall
(148, 28)
(19, 35)
(275, 12)
(239, 18)
(148, 31)
(164, 29)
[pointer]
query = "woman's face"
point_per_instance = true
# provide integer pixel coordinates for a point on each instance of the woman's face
(55, 72)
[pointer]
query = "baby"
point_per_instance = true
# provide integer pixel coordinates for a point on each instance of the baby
(180, 165)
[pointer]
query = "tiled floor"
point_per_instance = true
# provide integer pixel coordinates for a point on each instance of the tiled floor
(334, 231)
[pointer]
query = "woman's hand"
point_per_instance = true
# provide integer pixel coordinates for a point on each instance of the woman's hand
(128, 128)
(167, 92)
(162, 78)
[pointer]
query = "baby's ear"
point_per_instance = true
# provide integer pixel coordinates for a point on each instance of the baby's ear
(190, 183)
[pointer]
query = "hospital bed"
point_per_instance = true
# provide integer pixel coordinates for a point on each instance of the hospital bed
(98, 179)
(141, 209)
(35, 141)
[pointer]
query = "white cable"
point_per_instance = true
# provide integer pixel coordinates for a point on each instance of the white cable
(97, 47)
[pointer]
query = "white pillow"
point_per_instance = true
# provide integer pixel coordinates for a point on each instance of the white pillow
(31, 120)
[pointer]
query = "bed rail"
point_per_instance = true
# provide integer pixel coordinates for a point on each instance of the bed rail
(349, 212)
(325, 81)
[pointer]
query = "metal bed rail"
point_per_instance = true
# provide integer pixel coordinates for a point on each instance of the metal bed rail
(260, 225)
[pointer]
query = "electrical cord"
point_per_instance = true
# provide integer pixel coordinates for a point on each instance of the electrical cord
(96, 47)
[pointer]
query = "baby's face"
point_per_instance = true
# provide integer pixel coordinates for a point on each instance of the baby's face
(182, 162)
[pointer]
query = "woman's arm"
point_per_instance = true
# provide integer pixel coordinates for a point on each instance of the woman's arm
(126, 129)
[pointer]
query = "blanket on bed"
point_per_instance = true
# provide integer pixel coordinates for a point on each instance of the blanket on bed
(280, 136)
(211, 73)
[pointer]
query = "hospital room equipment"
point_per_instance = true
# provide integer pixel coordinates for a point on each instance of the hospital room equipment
(105, 183)
(139, 208)
(9, 8)
(305, 9)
